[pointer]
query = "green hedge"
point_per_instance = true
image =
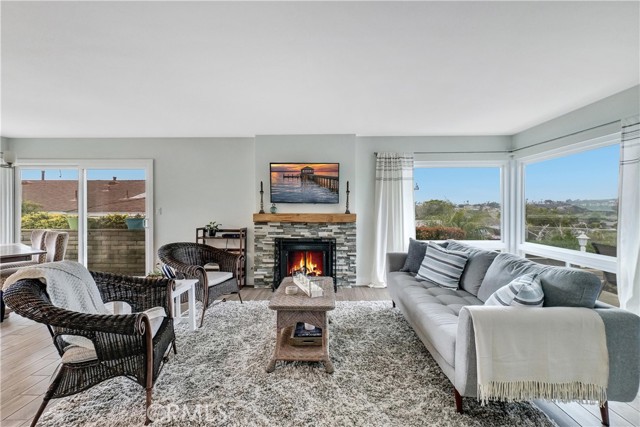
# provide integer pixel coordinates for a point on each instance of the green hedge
(36, 220)
(439, 233)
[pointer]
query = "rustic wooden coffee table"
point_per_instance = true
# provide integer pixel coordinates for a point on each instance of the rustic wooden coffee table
(292, 309)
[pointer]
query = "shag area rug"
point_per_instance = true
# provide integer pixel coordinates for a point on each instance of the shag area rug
(383, 377)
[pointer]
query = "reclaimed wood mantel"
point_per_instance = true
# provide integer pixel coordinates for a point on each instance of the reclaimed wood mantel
(305, 217)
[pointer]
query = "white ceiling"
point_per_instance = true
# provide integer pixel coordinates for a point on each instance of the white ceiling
(199, 69)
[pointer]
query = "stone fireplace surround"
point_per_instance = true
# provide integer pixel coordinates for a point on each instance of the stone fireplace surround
(267, 227)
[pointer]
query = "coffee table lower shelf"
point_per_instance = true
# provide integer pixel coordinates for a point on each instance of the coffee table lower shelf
(303, 353)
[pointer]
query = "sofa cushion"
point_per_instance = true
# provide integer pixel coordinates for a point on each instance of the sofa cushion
(415, 255)
(430, 309)
(442, 266)
(570, 287)
(524, 291)
(477, 265)
(503, 270)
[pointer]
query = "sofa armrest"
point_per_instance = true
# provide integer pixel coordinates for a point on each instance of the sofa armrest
(395, 261)
(622, 330)
(623, 344)
(466, 375)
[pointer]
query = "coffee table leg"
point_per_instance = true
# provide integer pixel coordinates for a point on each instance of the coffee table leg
(271, 366)
(328, 366)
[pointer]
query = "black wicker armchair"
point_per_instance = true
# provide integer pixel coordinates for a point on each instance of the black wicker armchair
(125, 344)
(188, 260)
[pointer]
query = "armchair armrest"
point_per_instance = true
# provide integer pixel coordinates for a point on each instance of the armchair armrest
(140, 292)
(228, 261)
(113, 336)
(28, 298)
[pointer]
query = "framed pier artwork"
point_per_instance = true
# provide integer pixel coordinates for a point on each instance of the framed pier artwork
(305, 182)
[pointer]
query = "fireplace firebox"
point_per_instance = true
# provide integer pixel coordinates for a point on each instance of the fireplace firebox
(313, 256)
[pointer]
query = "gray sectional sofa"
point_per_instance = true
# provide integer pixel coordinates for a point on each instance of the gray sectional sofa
(442, 322)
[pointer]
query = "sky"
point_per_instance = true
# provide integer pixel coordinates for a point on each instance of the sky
(92, 174)
(591, 174)
(295, 167)
(588, 175)
(477, 185)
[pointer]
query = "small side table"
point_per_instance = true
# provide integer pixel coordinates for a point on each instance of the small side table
(182, 286)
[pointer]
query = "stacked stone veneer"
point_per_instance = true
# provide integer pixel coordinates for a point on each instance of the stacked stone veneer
(265, 234)
(110, 250)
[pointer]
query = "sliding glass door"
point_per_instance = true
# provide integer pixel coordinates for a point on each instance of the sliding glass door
(103, 205)
(116, 220)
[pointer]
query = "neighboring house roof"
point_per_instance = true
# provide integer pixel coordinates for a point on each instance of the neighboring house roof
(104, 196)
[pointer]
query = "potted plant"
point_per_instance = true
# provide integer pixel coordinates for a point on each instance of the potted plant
(212, 228)
(156, 273)
(135, 222)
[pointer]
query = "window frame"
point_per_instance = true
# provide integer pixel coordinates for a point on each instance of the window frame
(82, 165)
(505, 206)
(569, 256)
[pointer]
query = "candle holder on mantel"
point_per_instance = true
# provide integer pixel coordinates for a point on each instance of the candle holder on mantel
(261, 199)
(347, 211)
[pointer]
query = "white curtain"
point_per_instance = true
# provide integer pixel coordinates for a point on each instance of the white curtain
(629, 217)
(6, 205)
(394, 209)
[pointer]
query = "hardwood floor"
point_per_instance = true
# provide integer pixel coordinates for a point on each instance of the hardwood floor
(28, 358)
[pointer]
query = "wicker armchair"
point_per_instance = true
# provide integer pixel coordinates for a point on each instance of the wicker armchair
(124, 344)
(188, 259)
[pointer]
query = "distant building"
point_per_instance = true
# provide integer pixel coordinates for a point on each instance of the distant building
(307, 170)
(103, 196)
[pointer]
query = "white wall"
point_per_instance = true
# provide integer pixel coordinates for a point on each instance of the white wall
(594, 120)
(196, 180)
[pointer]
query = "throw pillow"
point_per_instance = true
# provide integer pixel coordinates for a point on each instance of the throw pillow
(442, 266)
(476, 268)
(523, 291)
(168, 271)
(415, 255)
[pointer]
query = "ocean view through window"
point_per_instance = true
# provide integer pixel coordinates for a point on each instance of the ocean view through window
(462, 203)
(573, 196)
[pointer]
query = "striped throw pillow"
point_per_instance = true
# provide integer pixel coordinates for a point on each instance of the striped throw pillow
(441, 266)
(168, 271)
(523, 291)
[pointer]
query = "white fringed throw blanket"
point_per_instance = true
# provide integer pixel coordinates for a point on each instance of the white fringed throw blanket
(552, 353)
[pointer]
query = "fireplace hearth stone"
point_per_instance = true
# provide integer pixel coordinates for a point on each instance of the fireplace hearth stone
(265, 234)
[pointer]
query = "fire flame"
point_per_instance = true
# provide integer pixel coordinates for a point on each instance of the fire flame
(306, 260)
